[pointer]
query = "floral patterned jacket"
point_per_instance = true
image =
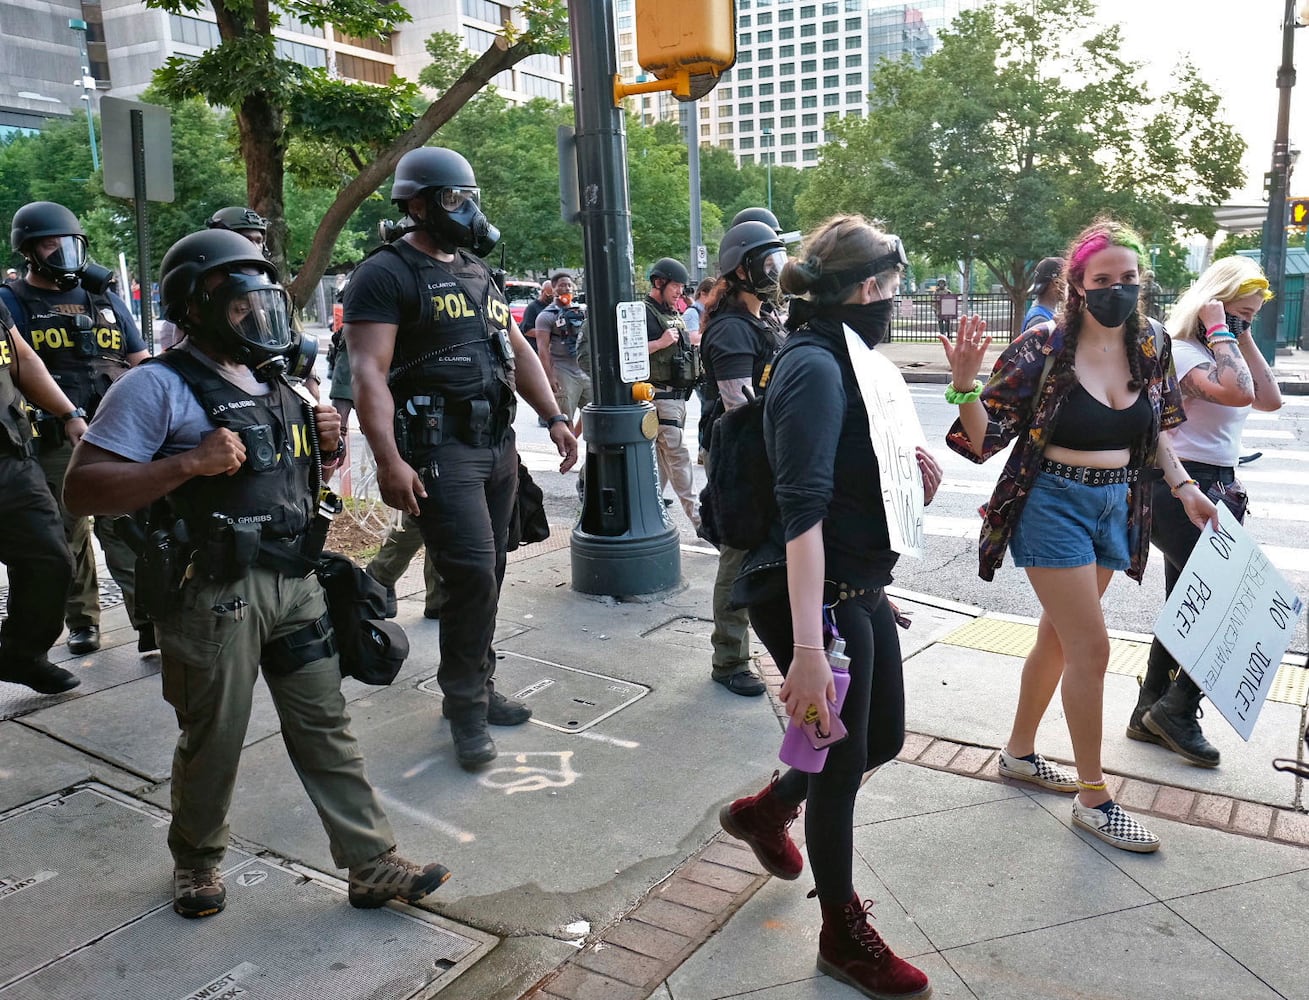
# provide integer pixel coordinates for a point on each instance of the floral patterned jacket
(1009, 406)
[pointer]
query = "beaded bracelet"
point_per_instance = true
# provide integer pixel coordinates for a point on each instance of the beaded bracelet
(1184, 482)
(956, 398)
(1092, 786)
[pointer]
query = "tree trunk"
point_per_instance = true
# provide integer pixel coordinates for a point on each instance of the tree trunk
(499, 57)
(263, 149)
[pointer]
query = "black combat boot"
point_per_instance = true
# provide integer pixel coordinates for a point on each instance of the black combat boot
(1135, 727)
(1173, 718)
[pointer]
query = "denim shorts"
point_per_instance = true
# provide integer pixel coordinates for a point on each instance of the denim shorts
(1066, 524)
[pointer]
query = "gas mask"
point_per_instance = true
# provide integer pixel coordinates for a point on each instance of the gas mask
(455, 219)
(762, 271)
(63, 265)
(248, 318)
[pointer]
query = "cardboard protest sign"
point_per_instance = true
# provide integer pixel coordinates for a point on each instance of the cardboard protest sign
(1228, 621)
(895, 431)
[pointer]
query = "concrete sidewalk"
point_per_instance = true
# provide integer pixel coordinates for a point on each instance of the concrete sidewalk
(588, 860)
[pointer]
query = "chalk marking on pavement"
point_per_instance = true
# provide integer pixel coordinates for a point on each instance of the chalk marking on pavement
(521, 778)
(952, 527)
(404, 808)
(611, 740)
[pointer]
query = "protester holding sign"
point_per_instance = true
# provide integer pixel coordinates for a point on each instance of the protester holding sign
(824, 569)
(1086, 400)
(1222, 376)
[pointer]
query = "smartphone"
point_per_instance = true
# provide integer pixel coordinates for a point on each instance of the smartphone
(817, 737)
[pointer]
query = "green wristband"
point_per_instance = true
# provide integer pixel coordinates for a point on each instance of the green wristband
(956, 398)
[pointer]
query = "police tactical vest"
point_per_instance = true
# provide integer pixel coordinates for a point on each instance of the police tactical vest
(276, 433)
(458, 346)
(16, 436)
(565, 326)
(661, 361)
(84, 360)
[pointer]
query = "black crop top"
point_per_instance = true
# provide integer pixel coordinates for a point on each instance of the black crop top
(1086, 424)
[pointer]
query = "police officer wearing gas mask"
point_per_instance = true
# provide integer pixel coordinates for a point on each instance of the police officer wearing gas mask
(87, 338)
(674, 372)
(436, 360)
(214, 439)
(739, 340)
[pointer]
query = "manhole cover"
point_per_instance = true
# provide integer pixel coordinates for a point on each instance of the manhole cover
(562, 698)
(85, 890)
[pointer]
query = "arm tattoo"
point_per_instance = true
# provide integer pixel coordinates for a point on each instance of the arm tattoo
(1194, 386)
(1231, 361)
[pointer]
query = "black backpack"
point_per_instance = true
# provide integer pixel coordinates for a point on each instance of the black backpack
(737, 506)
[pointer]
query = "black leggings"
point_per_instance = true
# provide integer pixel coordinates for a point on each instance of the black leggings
(873, 712)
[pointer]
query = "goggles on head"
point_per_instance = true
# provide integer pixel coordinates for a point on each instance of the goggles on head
(893, 259)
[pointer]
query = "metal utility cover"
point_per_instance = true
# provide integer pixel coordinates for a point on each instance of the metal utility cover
(86, 898)
(566, 699)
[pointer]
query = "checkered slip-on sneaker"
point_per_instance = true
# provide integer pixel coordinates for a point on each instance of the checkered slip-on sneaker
(1039, 772)
(1114, 827)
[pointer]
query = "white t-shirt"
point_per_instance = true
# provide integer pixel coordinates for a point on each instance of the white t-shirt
(1212, 431)
(151, 412)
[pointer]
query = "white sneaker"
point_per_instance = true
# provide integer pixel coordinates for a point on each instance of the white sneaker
(1114, 827)
(1039, 772)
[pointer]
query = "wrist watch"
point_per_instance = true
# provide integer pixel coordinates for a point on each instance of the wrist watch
(74, 415)
(558, 418)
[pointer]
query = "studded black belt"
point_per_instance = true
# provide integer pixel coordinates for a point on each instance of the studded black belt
(1090, 477)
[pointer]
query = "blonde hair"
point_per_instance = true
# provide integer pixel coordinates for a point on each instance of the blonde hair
(1226, 280)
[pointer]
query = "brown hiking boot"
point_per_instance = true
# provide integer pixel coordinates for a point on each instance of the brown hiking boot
(762, 821)
(198, 892)
(389, 876)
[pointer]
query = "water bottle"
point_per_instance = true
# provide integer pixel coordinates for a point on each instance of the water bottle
(804, 747)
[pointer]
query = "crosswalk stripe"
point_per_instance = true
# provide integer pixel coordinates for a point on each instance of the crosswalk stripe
(1285, 558)
(1264, 511)
(1280, 478)
(1278, 435)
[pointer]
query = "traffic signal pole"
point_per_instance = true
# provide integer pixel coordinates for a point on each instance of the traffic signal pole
(624, 543)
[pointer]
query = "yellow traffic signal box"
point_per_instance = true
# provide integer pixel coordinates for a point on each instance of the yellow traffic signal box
(677, 37)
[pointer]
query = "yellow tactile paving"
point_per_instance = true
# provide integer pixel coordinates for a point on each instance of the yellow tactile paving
(1126, 656)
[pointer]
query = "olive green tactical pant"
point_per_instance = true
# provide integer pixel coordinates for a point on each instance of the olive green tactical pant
(673, 458)
(82, 606)
(731, 634)
(398, 550)
(210, 663)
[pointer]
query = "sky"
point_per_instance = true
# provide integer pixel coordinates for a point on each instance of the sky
(1238, 56)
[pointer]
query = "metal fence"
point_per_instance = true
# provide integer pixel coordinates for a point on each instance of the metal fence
(916, 319)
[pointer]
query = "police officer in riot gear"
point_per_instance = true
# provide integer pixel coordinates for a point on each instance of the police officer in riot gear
(86, 338)
(558, 327)
(738, 343)
(246, 221)
(214, 439)
(436, 361)
(32, 545)
(674, 372)
(757, 214)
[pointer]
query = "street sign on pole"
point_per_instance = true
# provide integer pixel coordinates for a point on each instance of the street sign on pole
(702, 256)
(119, 156)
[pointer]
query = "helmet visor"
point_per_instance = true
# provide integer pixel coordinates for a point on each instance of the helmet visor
(766, 267)
(68, 253)
(452, 199)
(256, 310)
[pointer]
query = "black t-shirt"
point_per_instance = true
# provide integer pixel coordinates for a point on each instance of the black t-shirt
(532, 311)
(384, 290)
(736, 344)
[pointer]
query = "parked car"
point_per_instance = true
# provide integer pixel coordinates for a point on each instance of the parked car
(520, 293)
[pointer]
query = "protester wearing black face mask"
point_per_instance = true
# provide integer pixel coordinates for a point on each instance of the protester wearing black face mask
(833, 547)
(1084, 398)
(1222, 376)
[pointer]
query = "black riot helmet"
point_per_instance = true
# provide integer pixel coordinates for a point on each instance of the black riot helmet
(763, 215)
(46, 220)
(669, 269)
(445, 181)
(759, 248)
(245, 315)
(237, 218)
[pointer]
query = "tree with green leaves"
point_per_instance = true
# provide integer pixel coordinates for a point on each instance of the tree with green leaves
(276, 100)
(1011, 137)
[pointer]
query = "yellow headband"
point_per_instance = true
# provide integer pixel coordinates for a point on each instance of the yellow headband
(1254, 285)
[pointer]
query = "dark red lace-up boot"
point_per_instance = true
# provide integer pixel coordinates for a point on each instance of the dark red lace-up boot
(762, 821)
(850, 950)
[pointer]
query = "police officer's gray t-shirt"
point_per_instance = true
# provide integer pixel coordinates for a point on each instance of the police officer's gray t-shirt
(151, 413)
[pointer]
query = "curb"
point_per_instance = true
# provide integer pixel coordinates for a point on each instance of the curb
(634, 955)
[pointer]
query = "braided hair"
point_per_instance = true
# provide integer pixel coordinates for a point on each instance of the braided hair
(1104, 232)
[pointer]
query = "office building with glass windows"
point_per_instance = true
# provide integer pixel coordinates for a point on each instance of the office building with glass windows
(800, 64)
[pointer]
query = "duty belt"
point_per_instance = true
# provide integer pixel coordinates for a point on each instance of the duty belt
(1088, 476)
